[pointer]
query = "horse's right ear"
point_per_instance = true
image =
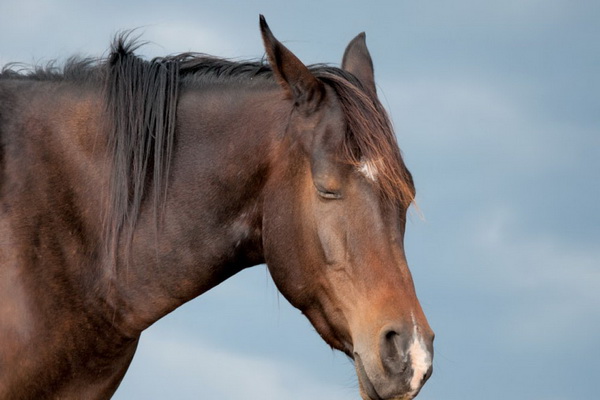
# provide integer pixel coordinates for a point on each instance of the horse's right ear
(301, 85)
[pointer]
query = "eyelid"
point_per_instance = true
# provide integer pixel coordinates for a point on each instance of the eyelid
(329, 195)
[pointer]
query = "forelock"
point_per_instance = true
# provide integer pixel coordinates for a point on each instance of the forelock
(370, 143)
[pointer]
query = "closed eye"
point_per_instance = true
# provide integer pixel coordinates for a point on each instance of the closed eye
(330, 195)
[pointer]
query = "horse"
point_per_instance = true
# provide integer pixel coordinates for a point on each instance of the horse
(130, 186)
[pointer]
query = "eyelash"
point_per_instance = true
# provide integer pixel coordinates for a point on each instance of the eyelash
(329, 195)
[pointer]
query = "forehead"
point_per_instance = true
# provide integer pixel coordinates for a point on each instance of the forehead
(368, 169)
(361, 134)
(328, 125)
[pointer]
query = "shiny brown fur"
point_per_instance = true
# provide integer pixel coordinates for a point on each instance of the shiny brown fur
(129, 187)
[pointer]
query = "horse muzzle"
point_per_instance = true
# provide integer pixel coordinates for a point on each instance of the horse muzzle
(399, 367)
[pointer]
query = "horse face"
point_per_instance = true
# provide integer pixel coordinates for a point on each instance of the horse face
(334, 247)
(366, 302)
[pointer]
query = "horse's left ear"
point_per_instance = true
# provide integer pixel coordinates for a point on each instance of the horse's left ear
(303, 87)
(357, 61)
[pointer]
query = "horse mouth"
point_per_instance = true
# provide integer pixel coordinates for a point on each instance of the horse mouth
(367, 387)
(365, 383)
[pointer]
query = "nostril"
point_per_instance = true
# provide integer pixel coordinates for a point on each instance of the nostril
(393, 351)
(390, 336)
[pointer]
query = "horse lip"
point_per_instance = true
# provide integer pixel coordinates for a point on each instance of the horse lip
(364, 380)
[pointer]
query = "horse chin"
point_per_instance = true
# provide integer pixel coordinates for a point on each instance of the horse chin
(367, 388)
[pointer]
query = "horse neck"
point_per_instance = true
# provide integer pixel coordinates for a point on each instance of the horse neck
(212, 222)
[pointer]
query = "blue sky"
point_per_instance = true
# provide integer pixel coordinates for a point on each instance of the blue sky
(497, 110)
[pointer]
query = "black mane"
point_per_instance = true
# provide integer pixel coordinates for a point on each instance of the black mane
(141, 100)
(193, 67)
(75, 69)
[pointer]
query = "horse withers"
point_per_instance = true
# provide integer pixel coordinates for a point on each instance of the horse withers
(129, 187)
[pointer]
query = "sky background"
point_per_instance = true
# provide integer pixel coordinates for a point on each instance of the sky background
(496, 106)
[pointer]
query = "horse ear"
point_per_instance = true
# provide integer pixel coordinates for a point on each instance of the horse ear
(357, 61)
(306, 90)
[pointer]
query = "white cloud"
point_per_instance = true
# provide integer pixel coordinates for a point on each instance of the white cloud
(31, 13)
(560, 280)
(531, 261)
(480, 121)
(190, 369)
(183, 36)
(509, 16)
(44, 29)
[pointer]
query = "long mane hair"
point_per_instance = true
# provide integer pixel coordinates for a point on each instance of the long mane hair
(141, 100)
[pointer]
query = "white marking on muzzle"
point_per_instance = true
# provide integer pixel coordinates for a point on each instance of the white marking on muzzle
(368, 169)
(420, 360)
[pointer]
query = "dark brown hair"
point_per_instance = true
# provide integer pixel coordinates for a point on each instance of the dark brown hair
(141, 101)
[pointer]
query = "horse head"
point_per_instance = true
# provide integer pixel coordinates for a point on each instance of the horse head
(333, 236)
